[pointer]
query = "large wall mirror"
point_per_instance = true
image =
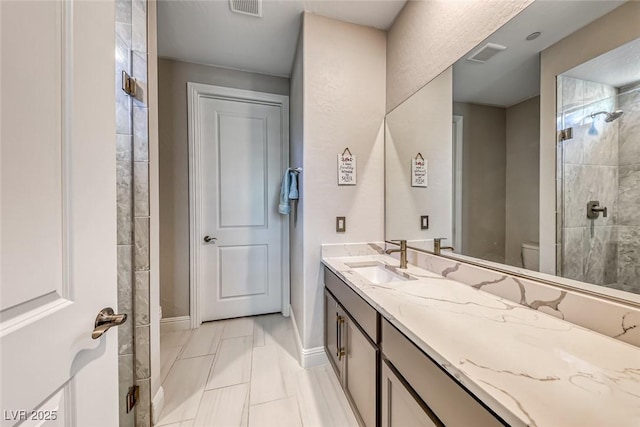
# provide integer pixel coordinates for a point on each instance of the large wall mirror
(478, 128)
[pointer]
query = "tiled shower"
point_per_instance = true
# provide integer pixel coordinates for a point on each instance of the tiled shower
(600, 163)
(132, 163)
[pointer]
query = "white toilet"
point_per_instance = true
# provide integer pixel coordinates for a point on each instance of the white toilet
(531, 256)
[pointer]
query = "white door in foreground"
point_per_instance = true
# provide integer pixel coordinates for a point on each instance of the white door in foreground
(241, 241)
(58, 221)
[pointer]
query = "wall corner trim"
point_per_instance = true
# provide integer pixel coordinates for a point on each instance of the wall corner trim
(307, 357)
(157, 405)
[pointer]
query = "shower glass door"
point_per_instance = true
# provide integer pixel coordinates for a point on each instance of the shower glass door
(599, 182)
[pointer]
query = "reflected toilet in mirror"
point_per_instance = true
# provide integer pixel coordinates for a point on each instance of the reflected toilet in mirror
(531, 256)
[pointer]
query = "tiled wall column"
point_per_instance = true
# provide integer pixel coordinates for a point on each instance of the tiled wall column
(141, 263)
(124, 177)
(133, 209)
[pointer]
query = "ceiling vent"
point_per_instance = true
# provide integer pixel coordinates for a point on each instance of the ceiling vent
(486, 52)
(247, 7)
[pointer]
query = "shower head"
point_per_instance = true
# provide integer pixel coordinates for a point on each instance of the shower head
(613, 116)
(610, 116)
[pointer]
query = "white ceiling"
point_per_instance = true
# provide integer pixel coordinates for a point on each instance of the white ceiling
(618, 67)
(207, 32)
(513, 75)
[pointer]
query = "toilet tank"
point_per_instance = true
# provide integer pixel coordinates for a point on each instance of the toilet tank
(531, 256)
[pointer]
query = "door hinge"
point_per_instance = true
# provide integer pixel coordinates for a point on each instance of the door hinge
(132, 397)
(128, 84)
(565, 134)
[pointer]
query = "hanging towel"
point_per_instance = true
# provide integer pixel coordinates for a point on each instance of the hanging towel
(285, 207)
(288, 191)
(293, 186)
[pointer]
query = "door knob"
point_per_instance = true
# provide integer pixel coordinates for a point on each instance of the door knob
(106, 319)
(208, 239)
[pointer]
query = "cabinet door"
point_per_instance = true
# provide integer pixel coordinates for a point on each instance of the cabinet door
(331, 332)
(399, 407)
(360, 372)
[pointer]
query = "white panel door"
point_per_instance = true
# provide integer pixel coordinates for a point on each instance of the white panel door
(242, 166)
(58, 218)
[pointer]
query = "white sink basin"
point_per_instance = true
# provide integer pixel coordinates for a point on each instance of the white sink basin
(378, 273)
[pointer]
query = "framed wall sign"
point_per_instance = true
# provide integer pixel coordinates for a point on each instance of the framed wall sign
(346, 168)
(419, 171)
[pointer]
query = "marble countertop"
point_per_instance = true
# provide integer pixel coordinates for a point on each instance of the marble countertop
(530, 368)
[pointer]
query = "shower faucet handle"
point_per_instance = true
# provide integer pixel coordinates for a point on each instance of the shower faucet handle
(593, 210)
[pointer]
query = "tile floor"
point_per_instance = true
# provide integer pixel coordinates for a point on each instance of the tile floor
(244, 372)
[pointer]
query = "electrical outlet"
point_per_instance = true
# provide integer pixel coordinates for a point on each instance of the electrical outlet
(424, 222)
(341, 224)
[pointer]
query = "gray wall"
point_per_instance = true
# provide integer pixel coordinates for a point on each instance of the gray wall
(483, 180)
(500, 179)
(174, 176)
(344, 106)
(523, 175)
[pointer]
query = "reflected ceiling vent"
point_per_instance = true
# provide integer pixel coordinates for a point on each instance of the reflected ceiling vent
(486, 52)
(247, 7)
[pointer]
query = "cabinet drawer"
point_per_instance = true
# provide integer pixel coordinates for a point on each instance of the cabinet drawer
(359, 309)
(451, 403)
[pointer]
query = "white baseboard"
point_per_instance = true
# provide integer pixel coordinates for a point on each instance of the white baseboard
(311, 357)
(308, 357)
(157, 405)
(172, 324)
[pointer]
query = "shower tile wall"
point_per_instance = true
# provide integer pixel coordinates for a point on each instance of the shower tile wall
(133, 210)
(590, 172)
(629, 190)
(124, 178)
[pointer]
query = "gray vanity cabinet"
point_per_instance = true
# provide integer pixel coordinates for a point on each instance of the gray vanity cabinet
(444, 400)
(400, 406)
(388, 380)
(353, 353)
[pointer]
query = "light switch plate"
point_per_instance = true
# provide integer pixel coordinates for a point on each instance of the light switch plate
(341, 224)
(424, 222)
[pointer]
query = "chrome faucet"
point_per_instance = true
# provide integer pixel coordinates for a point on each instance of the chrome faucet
(402, 250)
(437, 245)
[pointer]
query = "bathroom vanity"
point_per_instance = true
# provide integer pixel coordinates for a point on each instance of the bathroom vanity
(411, 347)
